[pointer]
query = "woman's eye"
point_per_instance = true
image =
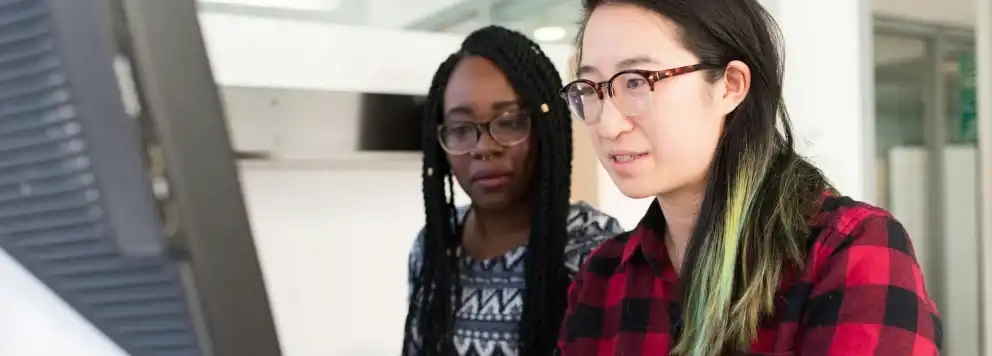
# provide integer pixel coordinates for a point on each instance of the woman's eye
(636, 83)
(509, 121)
(460, 130)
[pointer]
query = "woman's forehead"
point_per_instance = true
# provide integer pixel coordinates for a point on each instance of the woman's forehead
(619, 37)
(477, 85)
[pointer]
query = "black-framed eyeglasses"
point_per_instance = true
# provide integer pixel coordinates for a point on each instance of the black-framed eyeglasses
(630, 90)
(461, 137)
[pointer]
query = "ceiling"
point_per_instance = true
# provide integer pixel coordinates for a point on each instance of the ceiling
(462, 16)
(533, 16)
(958, 13)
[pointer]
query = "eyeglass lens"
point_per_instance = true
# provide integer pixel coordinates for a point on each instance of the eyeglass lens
(461, 136)
(631, 94)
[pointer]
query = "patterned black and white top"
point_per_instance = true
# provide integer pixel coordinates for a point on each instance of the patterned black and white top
(492, 290)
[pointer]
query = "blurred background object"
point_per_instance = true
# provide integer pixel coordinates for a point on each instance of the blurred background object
(123, 228)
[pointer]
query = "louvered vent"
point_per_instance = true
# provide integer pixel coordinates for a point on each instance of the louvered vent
(53, 218)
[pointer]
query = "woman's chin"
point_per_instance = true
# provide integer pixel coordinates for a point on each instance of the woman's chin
(633, 190)
(645, 188)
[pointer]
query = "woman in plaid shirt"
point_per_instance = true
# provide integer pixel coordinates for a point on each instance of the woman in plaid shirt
(747, 248)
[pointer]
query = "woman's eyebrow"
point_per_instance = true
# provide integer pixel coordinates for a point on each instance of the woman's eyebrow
(628, 63)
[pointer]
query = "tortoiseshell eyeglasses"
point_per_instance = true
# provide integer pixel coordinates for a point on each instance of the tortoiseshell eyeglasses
(630, 90)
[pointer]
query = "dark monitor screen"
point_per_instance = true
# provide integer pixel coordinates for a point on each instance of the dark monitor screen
(391, 122)
(117, 182)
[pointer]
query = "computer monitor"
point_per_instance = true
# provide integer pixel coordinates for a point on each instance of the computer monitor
(117, 185)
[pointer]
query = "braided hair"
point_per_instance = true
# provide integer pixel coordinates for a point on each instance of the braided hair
(435, 287)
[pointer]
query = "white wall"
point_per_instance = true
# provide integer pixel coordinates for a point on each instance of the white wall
(333, 243)
(292, 123)
(628, 211)
(30, 314)
(829, 87)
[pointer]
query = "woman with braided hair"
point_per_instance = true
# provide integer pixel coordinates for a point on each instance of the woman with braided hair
(491, 278)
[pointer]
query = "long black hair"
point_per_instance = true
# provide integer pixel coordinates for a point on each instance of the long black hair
(752, 223)
(436, 291)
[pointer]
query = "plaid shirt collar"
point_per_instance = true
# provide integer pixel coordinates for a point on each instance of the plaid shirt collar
(647, 241)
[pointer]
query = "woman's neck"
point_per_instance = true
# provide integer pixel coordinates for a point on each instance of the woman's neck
(681, 210)
(493, 232)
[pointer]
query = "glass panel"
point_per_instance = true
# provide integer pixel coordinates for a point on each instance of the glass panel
(960, 193)
(903, 75)
(900, 68)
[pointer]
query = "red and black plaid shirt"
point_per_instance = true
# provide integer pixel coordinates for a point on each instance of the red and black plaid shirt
(861, 293)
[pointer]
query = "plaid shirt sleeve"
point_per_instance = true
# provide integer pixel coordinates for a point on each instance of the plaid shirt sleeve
(868, 295)
(567, 344)
(572, 300)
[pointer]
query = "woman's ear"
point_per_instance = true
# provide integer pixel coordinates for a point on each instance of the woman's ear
(736, 83)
